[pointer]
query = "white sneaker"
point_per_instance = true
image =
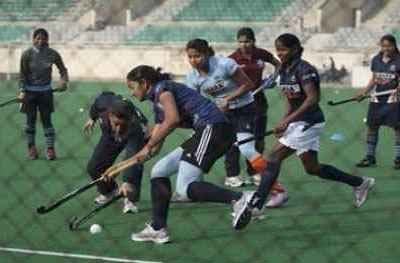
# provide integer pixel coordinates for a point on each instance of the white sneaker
(102, 199)
(277, 200)
(129, 207)
(361, 192)
(242, 211)
(256, 214)
(149, 234)
(176, 198)
(234, 181)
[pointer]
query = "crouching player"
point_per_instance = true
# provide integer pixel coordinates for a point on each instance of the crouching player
(123, 126)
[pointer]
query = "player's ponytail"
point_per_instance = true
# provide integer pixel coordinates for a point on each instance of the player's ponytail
(201, 46)
(145, 72)
(392, 40)
(292, 42)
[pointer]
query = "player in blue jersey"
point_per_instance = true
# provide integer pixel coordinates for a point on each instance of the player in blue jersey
(300, 128)
(175, 105)
(383, 110)
(222, 80)
(123, 127)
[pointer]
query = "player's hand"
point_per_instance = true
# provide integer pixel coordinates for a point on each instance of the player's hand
(361, 95)
(144, 154)
(223, 104)
(63, 86)
(110, 173)
(21, 96)
(280, 128)
(88, 127)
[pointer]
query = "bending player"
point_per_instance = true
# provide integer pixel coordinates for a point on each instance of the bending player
(176, 105)
(383, 110)
(300, 128)
(225, 82)
(123, 126)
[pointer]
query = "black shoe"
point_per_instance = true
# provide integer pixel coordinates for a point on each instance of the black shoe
(396, 165)
(368, 161)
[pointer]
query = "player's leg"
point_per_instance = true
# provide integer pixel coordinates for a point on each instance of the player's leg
(103, 157)
(132, 176)
(160, 185)
(46, 108)
(372, 141)
(232, 158)
(361, 185)
(245, 129)
(260, 127)
(29, 107)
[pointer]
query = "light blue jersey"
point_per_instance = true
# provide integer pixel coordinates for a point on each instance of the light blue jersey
(218, 83)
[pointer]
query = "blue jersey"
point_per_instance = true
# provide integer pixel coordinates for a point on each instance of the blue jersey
(386, 76)
(194, 110)
(293, 78)
(218, 83)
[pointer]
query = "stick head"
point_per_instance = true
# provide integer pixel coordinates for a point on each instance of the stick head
(41, 210)
(72, 223)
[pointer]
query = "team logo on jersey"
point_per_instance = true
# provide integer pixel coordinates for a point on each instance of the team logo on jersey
(218, 86)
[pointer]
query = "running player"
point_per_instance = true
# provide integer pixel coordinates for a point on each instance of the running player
(176, 105)
(222, 80)
(251, 60)
(300, 128)
(383, 110)
(36, 90)
(123, 126)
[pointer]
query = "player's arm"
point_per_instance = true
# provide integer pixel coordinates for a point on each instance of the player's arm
(93, 116)
(23, 74)
(244, 83)
(63, 72)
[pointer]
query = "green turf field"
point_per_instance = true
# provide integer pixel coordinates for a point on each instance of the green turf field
(318, 225)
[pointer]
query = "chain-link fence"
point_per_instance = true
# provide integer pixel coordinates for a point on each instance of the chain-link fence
(318, 223)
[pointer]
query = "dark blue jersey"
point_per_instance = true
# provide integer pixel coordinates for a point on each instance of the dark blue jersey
(100, 108)
(293, 79)
(386, 76)
(194, 110)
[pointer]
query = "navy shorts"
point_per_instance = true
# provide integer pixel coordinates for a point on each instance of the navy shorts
(243, 119)
(387, 114)
(42, 100)
(207, 145)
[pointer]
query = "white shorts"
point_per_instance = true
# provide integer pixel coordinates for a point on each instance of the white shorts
(302, 141)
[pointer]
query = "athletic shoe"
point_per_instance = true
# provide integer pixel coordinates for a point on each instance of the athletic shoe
(242, 210)
(102, 199)
(361, 192)
(149, 234)
(277, 200)
(368, 161)
(129, 207)
(256, 214)
(51, 154)
(234, 181)
(33, 153)
(176, 198)
(396, 165)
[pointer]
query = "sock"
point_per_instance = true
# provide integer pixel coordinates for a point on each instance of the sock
(372, 141)
(331, 173)
(207, 192)
(397, 145)
(50, 135)
(30, 135)
(160, 197)
(268, 178)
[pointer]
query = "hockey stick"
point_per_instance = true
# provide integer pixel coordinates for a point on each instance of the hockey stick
(17, 100)
(268, 83)
(75, 222)
(45, 209)
(377, 94)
